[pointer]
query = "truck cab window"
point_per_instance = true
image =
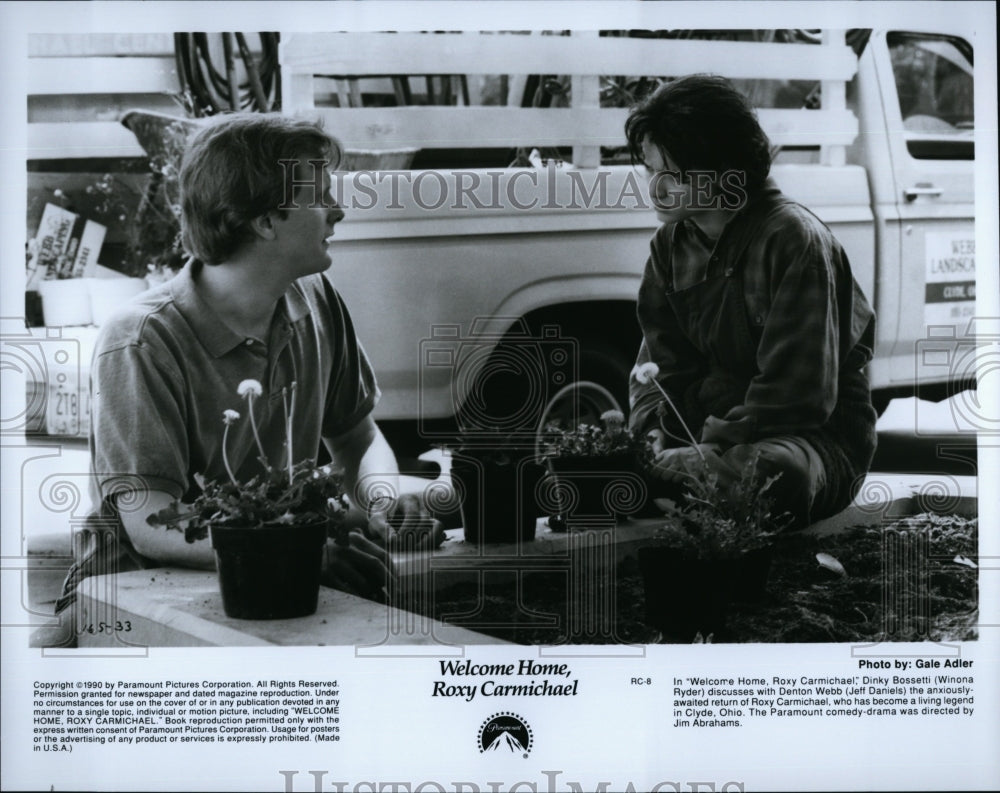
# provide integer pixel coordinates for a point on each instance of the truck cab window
(933, 76)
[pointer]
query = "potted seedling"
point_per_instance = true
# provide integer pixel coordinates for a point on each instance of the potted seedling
(716, 546)
(599, 470)
(268, 533)
(715, 549)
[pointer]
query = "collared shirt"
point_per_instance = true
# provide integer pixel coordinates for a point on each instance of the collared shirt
(762, 333)
(164, 370)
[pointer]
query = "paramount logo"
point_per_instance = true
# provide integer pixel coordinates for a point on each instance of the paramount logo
(505, 732)
(505, 741)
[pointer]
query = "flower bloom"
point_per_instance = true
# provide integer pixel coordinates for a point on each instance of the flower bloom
(229, 416)
(613, 419)
(646, 373)
(250, 387)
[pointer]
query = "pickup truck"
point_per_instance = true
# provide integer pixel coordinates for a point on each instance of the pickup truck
(498, 298)
(493, 296)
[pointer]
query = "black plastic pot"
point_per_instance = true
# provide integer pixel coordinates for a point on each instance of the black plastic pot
(686, 595)
(595, 488)
(269, 572)
(498, 492)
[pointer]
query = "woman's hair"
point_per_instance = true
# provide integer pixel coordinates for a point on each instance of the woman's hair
(231, 174)
(704, 124)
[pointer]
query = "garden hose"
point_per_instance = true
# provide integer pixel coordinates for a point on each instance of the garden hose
(210, 88)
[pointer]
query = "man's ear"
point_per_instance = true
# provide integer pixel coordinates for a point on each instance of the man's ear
(264, 226)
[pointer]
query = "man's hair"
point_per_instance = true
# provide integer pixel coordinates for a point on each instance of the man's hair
(231, 174)
(704, 124)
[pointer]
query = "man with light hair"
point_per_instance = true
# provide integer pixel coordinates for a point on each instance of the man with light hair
(252, 303)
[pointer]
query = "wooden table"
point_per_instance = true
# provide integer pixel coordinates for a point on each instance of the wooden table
(171, 607)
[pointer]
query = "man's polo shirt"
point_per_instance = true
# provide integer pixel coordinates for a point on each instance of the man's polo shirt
(167, 366)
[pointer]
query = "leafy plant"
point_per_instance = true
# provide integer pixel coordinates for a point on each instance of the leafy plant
(717, 521)
(154, 242)
(722, 516)
(150, 220)
(612, 438)
(299, 493)
(313, 493)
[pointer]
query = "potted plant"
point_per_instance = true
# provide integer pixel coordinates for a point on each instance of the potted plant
(599, 470)
(268, 533)
(497, 484)
(715, 549)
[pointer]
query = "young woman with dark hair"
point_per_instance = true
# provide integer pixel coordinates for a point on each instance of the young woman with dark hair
(749, 309)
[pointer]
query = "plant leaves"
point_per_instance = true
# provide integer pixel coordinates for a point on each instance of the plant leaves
(830, 563)
(170, 515)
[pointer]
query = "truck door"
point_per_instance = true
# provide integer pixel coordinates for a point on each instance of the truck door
(926, 81)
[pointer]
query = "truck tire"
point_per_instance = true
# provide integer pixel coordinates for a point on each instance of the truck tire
(601, 383)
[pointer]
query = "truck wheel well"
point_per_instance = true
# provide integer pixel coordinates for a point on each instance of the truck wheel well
(607, 333)
(605, 336)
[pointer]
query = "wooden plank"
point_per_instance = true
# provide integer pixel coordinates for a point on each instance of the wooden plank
(809, 127)
(98, 139)
(48, 45)
(833, 97)
(101, 75)
(585, 92)
(297, 92)
(419, 53)
(485, 127)
(82, 108)
(452, 127)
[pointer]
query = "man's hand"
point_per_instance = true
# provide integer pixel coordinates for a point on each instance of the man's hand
(361, 567)
(363, 452)
(684, 463)
(408, 526)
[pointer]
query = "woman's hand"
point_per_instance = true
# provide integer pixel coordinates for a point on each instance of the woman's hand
(683, 463)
